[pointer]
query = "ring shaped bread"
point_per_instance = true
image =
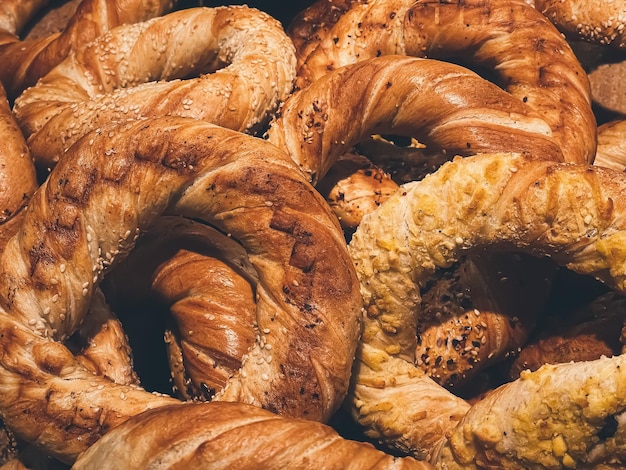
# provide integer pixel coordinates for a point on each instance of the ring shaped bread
(138, 71)
(572, 213)
(86, 217)
(206, 282)
(212, 435)
(594, 21)
(25, 61)
(443, 105)
(523, 50)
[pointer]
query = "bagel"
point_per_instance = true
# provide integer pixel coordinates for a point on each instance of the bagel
(584, 20)
(307, 298)
(518, 45)
(124, 76)
(210, 435)
(26, 61)
(570, 212)
(204, 281)
(445, 106)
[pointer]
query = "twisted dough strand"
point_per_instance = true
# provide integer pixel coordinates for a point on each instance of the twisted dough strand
(527, 54)
(25, 61)
(308, 303)
(572, 213)
(442, 105)
(232, 435)
(135, 71)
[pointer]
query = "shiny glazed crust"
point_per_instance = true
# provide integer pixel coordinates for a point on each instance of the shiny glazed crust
(307, 295)
(232, 435)
(524, 51)
(441, 104)
(124, 76)
(25, 61)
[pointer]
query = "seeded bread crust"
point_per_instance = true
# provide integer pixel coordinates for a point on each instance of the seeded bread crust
(25, 61)
(518, 45)
(138, 71)
(307, 297)
(570, 212)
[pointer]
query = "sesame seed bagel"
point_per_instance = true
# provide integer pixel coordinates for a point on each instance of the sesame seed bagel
(206, 282)
(518, 46)
(596, 21)
(572, 213)
(138, 71)
(87, 216)
(25, 61)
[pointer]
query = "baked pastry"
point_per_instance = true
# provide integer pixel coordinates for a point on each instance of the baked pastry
(25, 61)
(18, 180)
(445, 106)
(570, 212)
(123, 76)
(590, 332)
(612, 145)
(308, 303)
(231, 435)
(587, 20)
(515, 43)
(203, 282)
(560, 416)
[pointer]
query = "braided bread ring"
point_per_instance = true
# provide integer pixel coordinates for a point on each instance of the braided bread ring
(24, 62)
(308, 302)
(573, 213)
(206, 281)
(596, 21)
(210, 435)
(122, 76)
(448, 106)
(531, 59)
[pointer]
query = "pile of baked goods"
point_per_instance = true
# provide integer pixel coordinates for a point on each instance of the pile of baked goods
(342, 234)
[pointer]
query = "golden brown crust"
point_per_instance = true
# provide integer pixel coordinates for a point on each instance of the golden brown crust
(232, 435)
(308, 302)
(479, 313)
(595, 21)
(122, 76)
(102, 346)
(440, 104)
(530, 58)
(17, 178)
(205, 280)
(612, 145)
(354, 187)
(573, 213)
(25, 61)
(560, 416)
